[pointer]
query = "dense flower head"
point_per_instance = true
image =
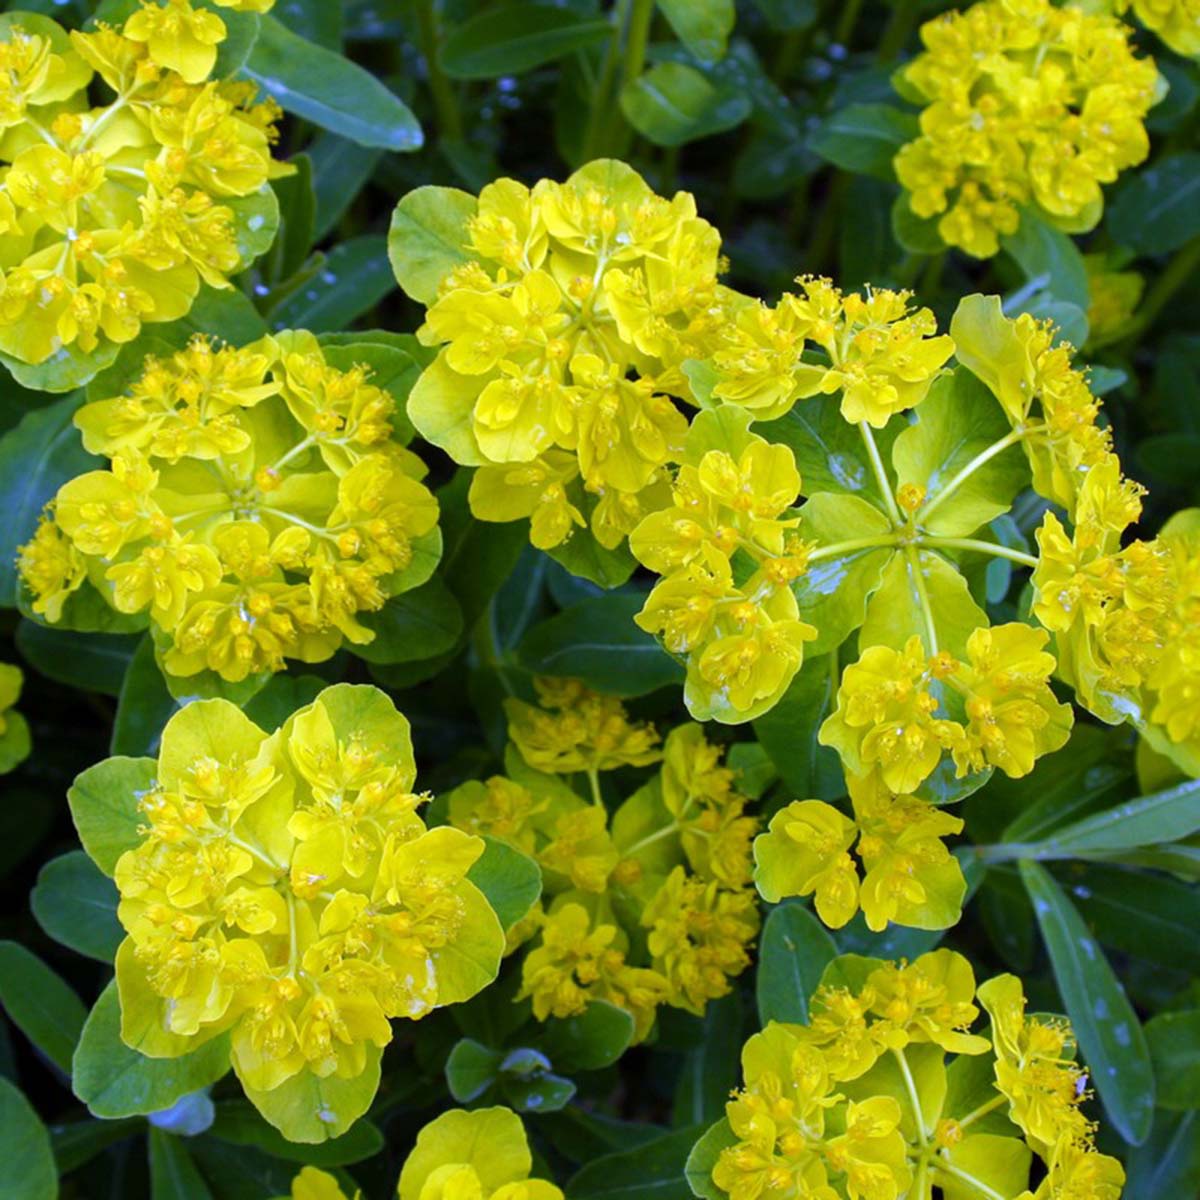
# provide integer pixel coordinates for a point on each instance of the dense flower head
(258, 501)
(113, 215)
(647, 906)
(561, 343)
(741, 636)
(1025, 104)
(878, 352)
(481, 1154)
(285, 890)
(900, 711)
(863, 1103)
(908, 875)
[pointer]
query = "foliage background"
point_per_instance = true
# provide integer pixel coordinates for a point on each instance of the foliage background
(779, 133)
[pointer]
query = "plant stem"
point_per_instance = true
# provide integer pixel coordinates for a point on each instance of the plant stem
(845, 26)
(984, 456)
(880, 473)
(834, 549)
(970, 1180)
(445, 101)
(948, 543)
(594, 134)
(1180, 270)
(895, 35)
(632, 66)
(910, 1086)
(982, 1111)
(594, 780)
(914, 566)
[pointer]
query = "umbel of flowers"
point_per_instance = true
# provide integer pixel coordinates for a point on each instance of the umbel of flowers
(886, 1093)
(481, 1154)
(649, 906)
(282, 893)
(116, 207)
(1024, 104)
(258, 504)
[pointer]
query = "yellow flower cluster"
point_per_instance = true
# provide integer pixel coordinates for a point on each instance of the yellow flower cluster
(743, 639)
(14, 731)
(861, 1104)
(879, 353)
(561, 342)
(182, 38)
(668, 872)
(285, 890)
(1024, 104)
(1126, 619)
(899, 710)
(1177, 22)
(113, 216)
(257, 503)
(908, 875)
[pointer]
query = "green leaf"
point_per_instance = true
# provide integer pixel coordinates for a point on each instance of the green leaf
(956, 423)
(916, 235)
(144, 705)
(1049, 258)
(788, 16)
(36, 459)
(76, 905)
(597, 641)
(511, 881)
(516, 38)
(1168, 1163)
(583, 556)
(537, 1093)
(284, 695)
(88, 661)
(471, 1069)
(788, 733)
(427, 238)
(238, 1123)
(297, 215)
(25, 1149)
(104, 805)
(703, 26)
(65, 370)
(173, 1174)
(651, 1171)
(78, 1142)
(341, 169)
(710, 1070)
(354, 277)
(1174, 1041)
(329, 90)
(703, 1159)
(1157, 209)
(673, 103)
(902, 607)
(114, 1080)
(1110, 1038)
(864, 138)
(40, 1004)
(415, 625)
(793, 951)
(255, 222)
(1166, 816)
(593, 1039)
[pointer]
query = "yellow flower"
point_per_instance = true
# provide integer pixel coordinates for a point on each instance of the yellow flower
(1034, 1068)
(1177, 22)
(178, 36)
(128, 206)
(1113, 296)
(478, 1155)
(15, 741)
(1076, 1170)
(314, 1184)
(699, 934)
(579, 959)
(1017, 112)
(576, 729)
(284, 889)
(257, 504)
(561, 342)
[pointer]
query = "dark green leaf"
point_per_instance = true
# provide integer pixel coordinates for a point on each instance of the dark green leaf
(414, 625)
(652, 1171)
(597, 641)
(237, 1122)
(471, 1069)
(354, 277)
(1110, 1038)
(1049, 258)
(516, 38)
(1174, 1041)
(92, 662)
(793, 951)
(329, 90)
(703, 26)
(1157, 209)
(173, 1175)
(76, 905)
(710, 1070)
(40, 1004)
(1168, 1163)
(510, 880)
(595, 1038)
(674, 103)
(29, 1169)
(144, 705)
(864, 138)
(80, 1141)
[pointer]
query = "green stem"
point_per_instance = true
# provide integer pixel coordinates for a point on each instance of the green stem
(594, 134)
(982, 1111)
(445, 101)
(895, 35)
(963, 1177)
(594, 781)
(845, 26)
(649, 840)
(881, 478)
(961, 476)
(981, 547)
(914, 566)
(633, 64)
(834, 549)
(910, 1086)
